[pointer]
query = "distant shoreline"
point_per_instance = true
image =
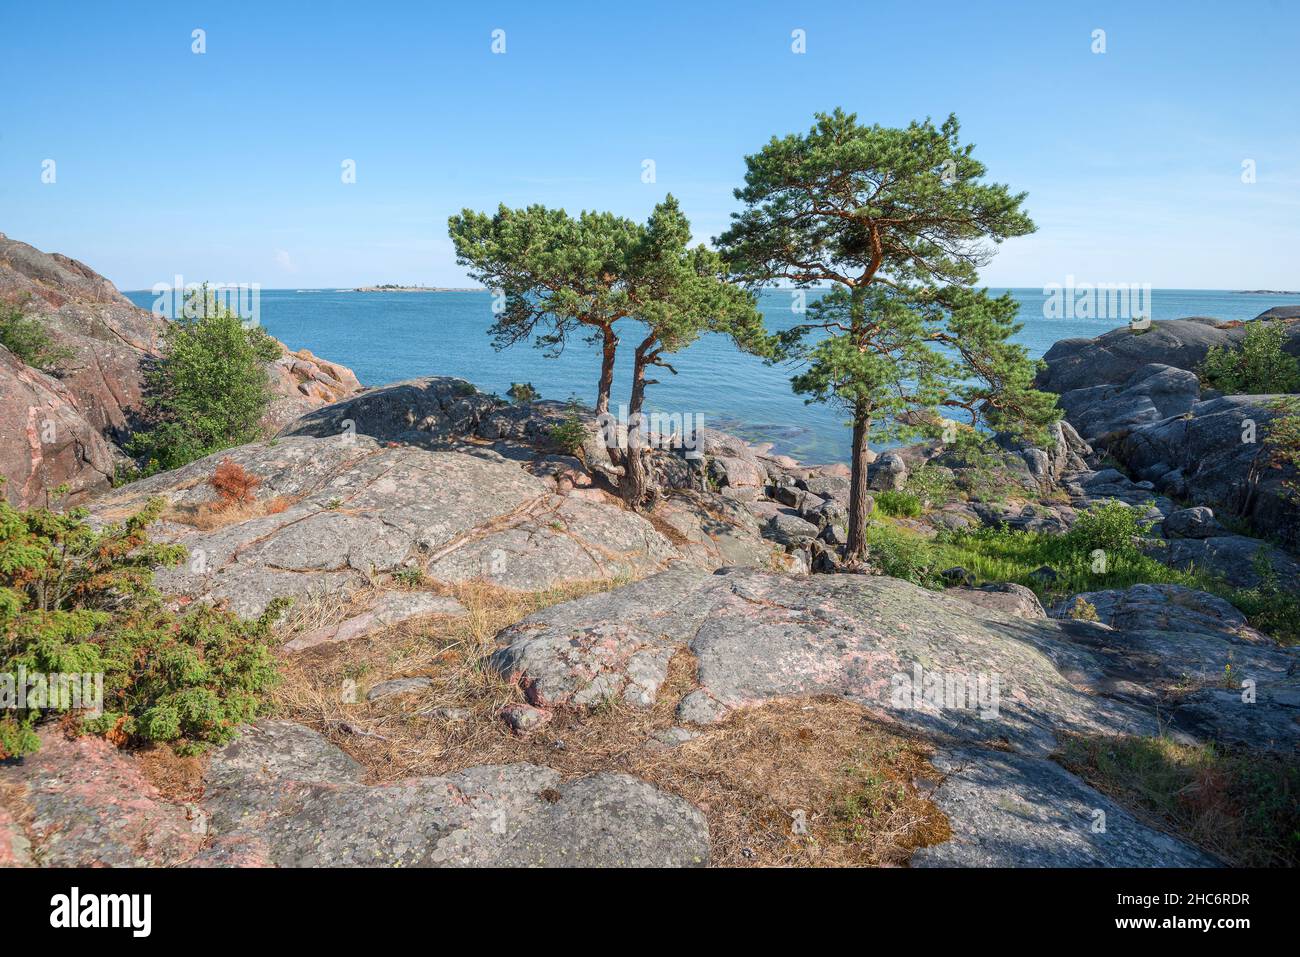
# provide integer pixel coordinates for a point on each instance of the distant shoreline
(417, 289)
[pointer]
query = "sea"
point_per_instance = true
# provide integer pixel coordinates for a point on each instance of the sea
(385, 337)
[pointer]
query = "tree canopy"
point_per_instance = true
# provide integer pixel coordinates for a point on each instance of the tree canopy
(557, 275)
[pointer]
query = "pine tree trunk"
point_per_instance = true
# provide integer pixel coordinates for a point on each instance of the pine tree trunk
(634, 485)
(859, 499)
(606, 371)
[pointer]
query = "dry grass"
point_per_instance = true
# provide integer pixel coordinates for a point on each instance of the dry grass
(859, 785)
(218, 513)
(178, 778)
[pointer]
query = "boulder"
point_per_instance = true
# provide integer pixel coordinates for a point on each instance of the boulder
(1279, 312)
(1198, 522)
(426, 412)
(887, 473)
(1237, 559)
(1152, 393)
(788, 529)
(1172, 608)
(1006, 597)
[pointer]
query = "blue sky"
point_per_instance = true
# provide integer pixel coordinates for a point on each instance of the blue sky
(226, 166)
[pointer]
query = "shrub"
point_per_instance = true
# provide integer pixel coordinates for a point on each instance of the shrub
(1272, 606)
(1111, 527)
(1083, 610)
(1259, 366)
(904, 504)
(79, 601)
(209, 390)
(569, 434)
(233, 483)
(931, 484)
(27, 339)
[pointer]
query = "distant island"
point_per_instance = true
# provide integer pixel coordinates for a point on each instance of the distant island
(1267, 292)
(393, 287)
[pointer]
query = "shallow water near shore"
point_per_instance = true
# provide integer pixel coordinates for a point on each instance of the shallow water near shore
(388, 336)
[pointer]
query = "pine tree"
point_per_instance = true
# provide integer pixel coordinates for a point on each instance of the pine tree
(898, 221)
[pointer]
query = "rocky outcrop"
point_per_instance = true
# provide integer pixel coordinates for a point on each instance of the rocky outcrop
(757, 636)
(1113, 358)
(282, 795)
(83, 803)
(45, 441)
(108, 336)
(1158, 657)
(426, 412)
(1137, 395)
(331, 514)
(109, 342)
(1151, 394)
(1218, 455)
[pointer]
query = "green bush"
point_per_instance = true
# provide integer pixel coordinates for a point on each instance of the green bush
(1111, 527)
(1272, 606)
(27, 339)
(208, 392)
(79, 601)
(569, 434)
(1258, 366)
(932, 484)
(899, 504)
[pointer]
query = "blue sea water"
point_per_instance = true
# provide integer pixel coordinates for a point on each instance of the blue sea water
(386, 337)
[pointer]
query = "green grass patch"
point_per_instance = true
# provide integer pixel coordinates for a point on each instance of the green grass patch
(899, 504)
(1099, 552)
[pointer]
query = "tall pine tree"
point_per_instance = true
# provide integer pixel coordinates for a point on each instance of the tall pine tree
(897, 221)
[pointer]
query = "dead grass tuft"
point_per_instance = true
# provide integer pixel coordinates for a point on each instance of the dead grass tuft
(178, 778)
(210, 516)
(860, 785)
